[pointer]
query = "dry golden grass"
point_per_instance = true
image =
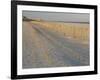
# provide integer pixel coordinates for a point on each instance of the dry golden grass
(78, 31)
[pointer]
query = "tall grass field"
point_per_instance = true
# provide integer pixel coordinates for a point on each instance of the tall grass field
(76, 31)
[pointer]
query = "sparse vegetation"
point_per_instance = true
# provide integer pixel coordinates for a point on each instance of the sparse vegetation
(78, 31)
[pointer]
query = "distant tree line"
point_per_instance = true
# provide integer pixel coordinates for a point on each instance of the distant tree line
(26, 19)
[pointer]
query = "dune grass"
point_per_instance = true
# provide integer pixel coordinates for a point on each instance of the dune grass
(77, 31)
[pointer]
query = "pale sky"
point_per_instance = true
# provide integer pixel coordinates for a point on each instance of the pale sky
(57, 16)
